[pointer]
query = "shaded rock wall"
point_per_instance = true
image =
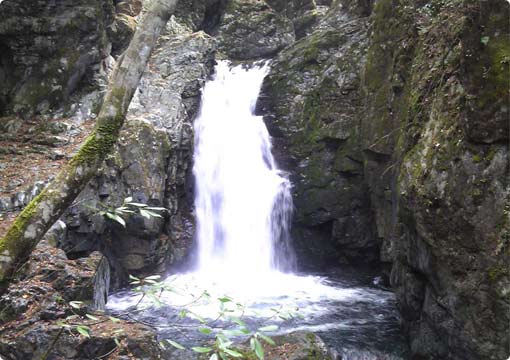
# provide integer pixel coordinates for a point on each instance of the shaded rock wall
(35, 307)
(395, 137)
(251, 29)
(437, 166)
(46, 50)
(393, 129)
(312, 103)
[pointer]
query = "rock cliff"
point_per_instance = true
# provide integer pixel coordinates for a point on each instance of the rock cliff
(436, 136)
(395, 129)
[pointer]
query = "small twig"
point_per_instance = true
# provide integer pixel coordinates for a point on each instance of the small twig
(45, 355)
(108, 353)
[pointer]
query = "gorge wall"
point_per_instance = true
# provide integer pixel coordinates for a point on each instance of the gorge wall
(395, 129)
(391, 117)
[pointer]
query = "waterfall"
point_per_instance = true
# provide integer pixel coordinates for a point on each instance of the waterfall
(243, 202)
(243, 210)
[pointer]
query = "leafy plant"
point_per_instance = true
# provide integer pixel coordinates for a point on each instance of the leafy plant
(224, 332)
(128, 208)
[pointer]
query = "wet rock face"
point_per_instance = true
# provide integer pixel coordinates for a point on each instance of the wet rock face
(136, 341)
(50, 280)
(311, 102)
(304, 14)
(35, 306)
(438, 171)
(47, 48)
(152, 164)
(251, 29)
(485, 69)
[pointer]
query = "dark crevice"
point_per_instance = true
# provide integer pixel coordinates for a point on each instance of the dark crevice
(212, 17)
(7, 69)
(376, 156)
(333, 144)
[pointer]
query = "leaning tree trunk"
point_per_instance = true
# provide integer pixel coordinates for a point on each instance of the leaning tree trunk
(42, 212)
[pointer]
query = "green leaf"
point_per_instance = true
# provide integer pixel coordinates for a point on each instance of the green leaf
(117, 341)
(201, 349)
(155, 208)
(91, 317)
(238, 321)
(214, 357)
(124, 210)
(199, 318)
(137, 204)
(76, 304)
(152, 282)
(205, 330)
(175, 344)
(257, 347)
(145, 214)
(233, 353)
(183, 313)
(245, 331)
(116, 218)
(485, 40)
(235, 332)
(267, 339)
(83, 330)
(151, 213)
(114, 319)
(225, 299)
(155, 300)
(63, 324)
(269, 328)
(134, 280)
(153, 277)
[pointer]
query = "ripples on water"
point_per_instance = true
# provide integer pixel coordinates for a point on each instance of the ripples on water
(355, 318)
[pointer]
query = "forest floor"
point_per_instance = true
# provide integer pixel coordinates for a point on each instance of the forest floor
(34, 151)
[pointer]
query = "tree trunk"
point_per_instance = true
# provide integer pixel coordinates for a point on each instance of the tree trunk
(42, 212)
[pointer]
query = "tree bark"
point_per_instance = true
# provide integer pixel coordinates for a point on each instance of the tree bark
(42, 212)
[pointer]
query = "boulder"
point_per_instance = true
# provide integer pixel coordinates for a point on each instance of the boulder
(311, 104)
(47, 48)
(251, 29)
(121, 32)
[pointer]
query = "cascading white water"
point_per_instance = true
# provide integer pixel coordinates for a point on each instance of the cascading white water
(243, 202)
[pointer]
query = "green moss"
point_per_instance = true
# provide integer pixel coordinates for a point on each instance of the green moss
(490, 155)
(100, 143)
(489, 71)
(497, 73)
(477, 158)
(12, 242)
(497, 273)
